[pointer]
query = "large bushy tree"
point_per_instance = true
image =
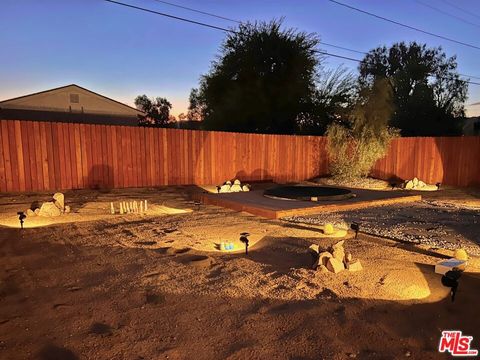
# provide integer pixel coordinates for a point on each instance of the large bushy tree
(263, 78)
(427, 92)
(157, 110)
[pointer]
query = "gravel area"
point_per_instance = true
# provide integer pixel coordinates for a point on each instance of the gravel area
(432, 223)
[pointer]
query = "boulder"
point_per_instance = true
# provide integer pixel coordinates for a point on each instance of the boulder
(355, 266)
(37, 211)
(225, 188)
(461, 254)
(30, 212)
(339, 254)
(235, 188)
(335, 265)
(246, 187)
(415, 182)
(328, 229)
(236, 182)
(59, 200)
(49, 209)
(323, 258)
(421, 184)
(409, 185)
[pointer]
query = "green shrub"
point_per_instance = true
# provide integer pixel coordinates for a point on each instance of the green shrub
(355, 145)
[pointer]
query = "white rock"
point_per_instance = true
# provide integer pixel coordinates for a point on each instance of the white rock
(355, 266)
(235, 188)
(348, 257)
(323, 258)
(339, 254)
(59, 200)
(246, 187)
(67, 209)
(409, 185)
(224, 188)
(49, 209)
(415, 182)
(228, 183)
(334, 265)
(314, 248)
(236, 182)
(30, 212)
(421, 184)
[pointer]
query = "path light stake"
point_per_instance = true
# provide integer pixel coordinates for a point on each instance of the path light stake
(121, 208)
(145, 205)
(112, 208)
(244, 239)
(355, 227)
(450, 279)
(21, 216)
(141, 207)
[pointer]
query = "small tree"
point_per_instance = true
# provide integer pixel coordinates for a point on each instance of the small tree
(354, 145)
(157, 110)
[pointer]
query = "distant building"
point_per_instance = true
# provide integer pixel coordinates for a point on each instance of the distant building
(70, 103)
(472, 126)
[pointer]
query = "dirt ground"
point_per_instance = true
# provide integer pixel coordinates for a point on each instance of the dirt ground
(91, 285)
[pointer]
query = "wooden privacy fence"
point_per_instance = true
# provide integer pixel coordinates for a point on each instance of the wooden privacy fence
(54, 156)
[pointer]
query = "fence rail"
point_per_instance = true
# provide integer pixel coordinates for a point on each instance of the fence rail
(36, 156)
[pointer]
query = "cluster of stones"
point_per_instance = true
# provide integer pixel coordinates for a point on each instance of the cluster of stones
(416, 184)
(334, 259)
(55, 207)
(130, 207)
(237, 186)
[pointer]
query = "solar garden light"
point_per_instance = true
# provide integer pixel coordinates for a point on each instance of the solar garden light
(450, 279)
(244, 239)
(21, 216)
(355, 226)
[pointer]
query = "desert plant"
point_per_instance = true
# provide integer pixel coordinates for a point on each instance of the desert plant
(354, 145)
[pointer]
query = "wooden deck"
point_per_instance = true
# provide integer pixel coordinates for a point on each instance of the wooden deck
(255, 203)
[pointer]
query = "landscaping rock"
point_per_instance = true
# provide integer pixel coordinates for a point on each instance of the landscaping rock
(236, 182)
(49, 209)
(415, 182)
(37, 211)
(323, 258)
(328, 229)
(30, 212)
(339, 254)
(246, 187)
(348, 257)
(59, 200)
(323, 268)
(314, 248)
(421, 184)
(224, 188)
(461, 254)
(235, 188)
(335, 265)
(355, 266)
(409, 185)
(67, 209)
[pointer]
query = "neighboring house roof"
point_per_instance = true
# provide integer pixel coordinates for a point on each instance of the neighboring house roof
(70, 103)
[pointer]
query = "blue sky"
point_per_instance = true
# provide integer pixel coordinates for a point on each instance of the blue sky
(121, 52)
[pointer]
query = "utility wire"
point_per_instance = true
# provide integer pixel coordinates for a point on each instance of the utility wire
(404, 25)
(233, 31)
(447, 13)
(170, 16)
(198, 11)
(468, 12)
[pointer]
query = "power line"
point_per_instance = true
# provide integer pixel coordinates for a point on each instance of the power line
(170, 16)
(343, 48)
(233, 31)
(461, 9)
(404, 25)
(198, 11)
(446, 13)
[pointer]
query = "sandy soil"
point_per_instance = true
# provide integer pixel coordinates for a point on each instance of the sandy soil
(90, 285)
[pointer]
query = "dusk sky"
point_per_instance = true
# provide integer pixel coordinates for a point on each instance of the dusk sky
(121, 52)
